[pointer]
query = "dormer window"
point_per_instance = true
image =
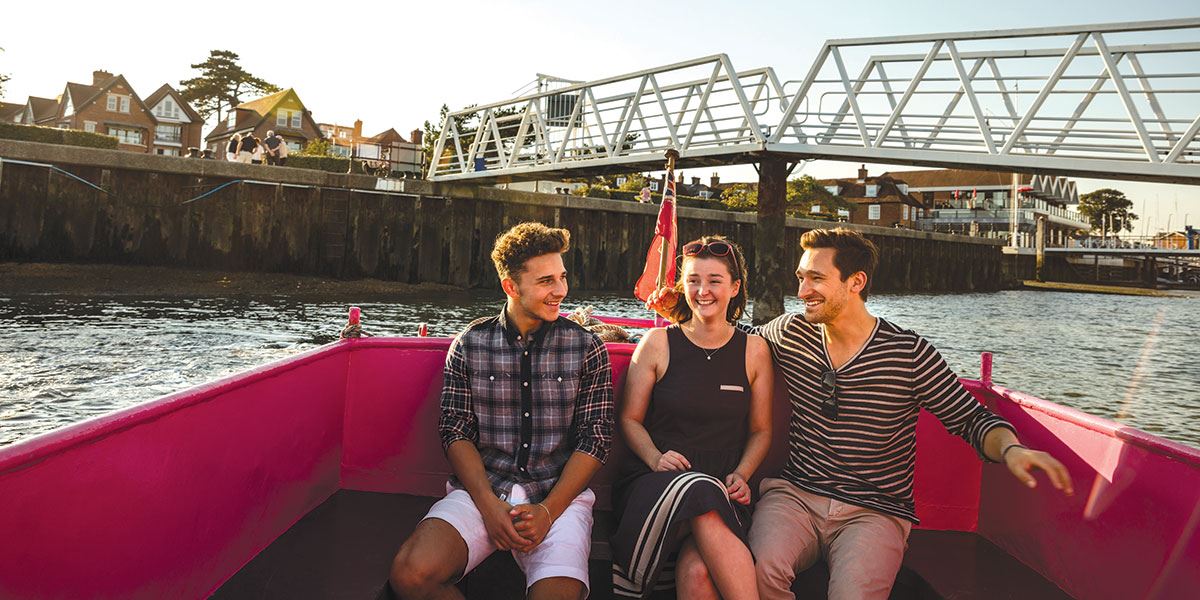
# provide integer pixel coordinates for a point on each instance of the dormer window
(118, 103)
(903, 187)
(872, 190)
(167, 109)
(286, 118)
(832, 189)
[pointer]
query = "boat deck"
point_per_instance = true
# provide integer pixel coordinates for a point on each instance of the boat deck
(344, 548)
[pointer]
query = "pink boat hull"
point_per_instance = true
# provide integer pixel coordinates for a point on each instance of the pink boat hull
(170, 498)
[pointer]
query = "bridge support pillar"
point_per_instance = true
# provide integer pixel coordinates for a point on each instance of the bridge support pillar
(1040, 244)
(770, 274)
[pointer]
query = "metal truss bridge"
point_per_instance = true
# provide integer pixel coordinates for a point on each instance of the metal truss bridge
(1114, 101)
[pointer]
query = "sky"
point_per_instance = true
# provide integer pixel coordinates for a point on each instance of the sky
(393, 64)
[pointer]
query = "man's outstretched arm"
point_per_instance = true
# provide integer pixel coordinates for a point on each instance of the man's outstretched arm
(1001, 445)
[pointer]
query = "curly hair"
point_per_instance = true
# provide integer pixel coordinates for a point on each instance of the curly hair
(854, 252)
(735, 262)
(523, 242)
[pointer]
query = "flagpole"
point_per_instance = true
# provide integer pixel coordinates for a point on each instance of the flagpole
(661, 281)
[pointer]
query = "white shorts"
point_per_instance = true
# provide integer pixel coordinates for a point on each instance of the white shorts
(563, 553)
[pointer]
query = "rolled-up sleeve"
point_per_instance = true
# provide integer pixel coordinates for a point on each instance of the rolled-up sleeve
(939, 391)
(458, 420)
(594, 408)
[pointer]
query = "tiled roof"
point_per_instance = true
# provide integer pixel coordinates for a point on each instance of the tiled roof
(887, 191)
(264, 105)
(250, 114)
(8, 110)
(961, 178)
(162, 92)
(43, 108)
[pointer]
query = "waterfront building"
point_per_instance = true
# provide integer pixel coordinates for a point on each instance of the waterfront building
(884, 201)
(970, 202)
(164, 124)
(282, 112)
(404, 154)
(177, 124)
(10, 112)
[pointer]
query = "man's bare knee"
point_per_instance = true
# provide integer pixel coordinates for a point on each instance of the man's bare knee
(432, 557)
(693, 574)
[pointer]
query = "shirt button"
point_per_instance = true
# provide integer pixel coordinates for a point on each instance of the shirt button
(527, 414)
(522, 469)
(560, 379)
(526, 353)
(518, 337)
(491, 377)
(526, 384)
(524, 445)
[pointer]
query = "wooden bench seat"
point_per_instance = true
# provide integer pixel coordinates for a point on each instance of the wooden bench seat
(344, 548)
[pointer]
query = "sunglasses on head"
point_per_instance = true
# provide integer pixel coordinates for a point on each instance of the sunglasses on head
(829, 406)
(715, 248)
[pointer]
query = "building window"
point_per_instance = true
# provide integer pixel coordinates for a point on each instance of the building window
(815, 210)
(293, 146)
(873, 212)
(832, 189)
(653, 186)
(872, 190)
(620, 181)
(168, 151)
(118, 103)
(904, 212)
(168, 133)
(126, 136)
(705, 194)
(64, 125)
(296, 119)
(903, 187)
(89, 126)
(168, 109)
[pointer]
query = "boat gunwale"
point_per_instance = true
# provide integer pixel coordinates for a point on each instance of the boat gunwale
(56, 441)
(53, 442)
(1126, 433)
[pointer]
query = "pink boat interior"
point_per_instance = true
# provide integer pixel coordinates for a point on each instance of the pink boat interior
(301, 479)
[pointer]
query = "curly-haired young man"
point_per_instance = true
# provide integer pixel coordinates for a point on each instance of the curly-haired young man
(527, 419)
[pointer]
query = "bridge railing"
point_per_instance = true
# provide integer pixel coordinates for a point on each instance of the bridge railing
(692, 106)
(1094, 92)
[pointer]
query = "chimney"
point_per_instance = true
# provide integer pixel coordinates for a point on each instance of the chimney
(679, 181)
(99, 77)
(357, 129)
(862, 173)
(695, 181)
(417, 137)
(714, 181)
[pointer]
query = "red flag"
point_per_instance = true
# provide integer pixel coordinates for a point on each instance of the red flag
(660, 258)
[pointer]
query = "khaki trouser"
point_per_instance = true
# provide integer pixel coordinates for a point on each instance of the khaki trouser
(793, 528)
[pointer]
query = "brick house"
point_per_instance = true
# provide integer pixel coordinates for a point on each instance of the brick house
(10, 112)
(281, 112)
(883, 201)
(38, 111)
(109, 106)
(405, 155)
(177, 124)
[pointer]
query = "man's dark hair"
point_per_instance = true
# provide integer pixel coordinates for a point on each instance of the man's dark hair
(523, 242)
(854, 252)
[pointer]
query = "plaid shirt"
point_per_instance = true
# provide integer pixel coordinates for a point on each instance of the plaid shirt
(527, 404)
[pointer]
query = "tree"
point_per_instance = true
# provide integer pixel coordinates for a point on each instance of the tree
(221, 84)
(802, 194)
(317, 147)
(1107, 210)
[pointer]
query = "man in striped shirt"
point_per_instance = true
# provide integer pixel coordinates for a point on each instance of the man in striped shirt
(856, 384)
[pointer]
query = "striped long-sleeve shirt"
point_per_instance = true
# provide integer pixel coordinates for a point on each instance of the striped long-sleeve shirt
(865, 455)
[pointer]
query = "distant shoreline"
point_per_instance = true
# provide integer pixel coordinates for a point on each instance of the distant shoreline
(104, 280)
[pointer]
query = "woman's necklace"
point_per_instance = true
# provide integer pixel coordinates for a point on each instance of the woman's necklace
(708, 354)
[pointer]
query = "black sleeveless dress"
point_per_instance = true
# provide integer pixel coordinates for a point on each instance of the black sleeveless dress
(700, 409)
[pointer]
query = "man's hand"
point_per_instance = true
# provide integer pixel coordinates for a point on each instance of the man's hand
(662, 301)
(672, 461)
(737, 488)
(1021, 461)
(532, 522)
(500, 527)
